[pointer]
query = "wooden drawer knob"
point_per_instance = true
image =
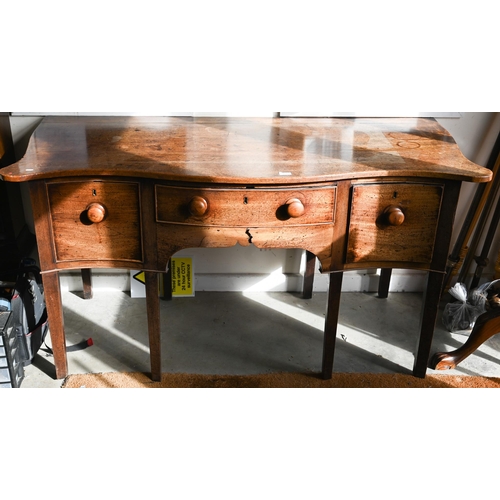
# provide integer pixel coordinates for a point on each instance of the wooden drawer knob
(96, 212)
(295, 208)
(393, 216)
(198, 206)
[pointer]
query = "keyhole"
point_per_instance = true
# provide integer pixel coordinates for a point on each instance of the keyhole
(395, 195)
(94, 192)
(245, 200)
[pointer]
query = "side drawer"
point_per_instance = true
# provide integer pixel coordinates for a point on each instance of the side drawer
(96, 220)
(394, 222)
(245, 207)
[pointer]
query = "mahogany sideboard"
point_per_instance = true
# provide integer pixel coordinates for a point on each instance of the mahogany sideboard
(130, 192)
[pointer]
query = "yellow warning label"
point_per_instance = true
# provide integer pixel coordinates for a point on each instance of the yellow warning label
(182, 277)
(140, 277)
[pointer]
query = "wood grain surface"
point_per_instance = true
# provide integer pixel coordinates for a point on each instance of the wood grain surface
(355, 193)
(243, 150)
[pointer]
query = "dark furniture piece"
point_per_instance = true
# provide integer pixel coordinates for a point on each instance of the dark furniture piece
(355, 193)
(487, 325)
(16, 240)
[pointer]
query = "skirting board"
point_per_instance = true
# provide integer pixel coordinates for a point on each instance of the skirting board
(279, 282)
(353, 281)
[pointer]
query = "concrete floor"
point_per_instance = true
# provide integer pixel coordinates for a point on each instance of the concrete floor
(244, 333)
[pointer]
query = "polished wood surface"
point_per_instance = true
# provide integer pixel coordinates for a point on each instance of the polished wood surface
(243, 150)
(355, 194)
(404, 229)
(243, 207)
(106, 229)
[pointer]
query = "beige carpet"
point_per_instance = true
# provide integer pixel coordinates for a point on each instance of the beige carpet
(277, 380)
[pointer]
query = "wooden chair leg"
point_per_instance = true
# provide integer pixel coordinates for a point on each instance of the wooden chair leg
(384, 283)
(487, 325)
(307, 286)
(87, 283)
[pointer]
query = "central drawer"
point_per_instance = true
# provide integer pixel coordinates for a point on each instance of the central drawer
(245, 207)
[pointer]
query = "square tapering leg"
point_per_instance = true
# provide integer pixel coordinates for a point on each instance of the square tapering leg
(153, 312)
(331, 322)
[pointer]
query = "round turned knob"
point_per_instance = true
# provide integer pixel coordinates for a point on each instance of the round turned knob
(394, 216)
(294, 207)
(198, 206)
(96, 212)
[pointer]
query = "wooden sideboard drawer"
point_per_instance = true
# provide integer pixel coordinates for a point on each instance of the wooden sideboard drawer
(245, 207)
(393, 222)
(96, 220)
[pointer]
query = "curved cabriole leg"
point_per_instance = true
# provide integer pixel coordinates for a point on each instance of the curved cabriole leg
(487, 325)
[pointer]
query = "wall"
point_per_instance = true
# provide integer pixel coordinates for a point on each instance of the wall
(475, 134)
(249, 268)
